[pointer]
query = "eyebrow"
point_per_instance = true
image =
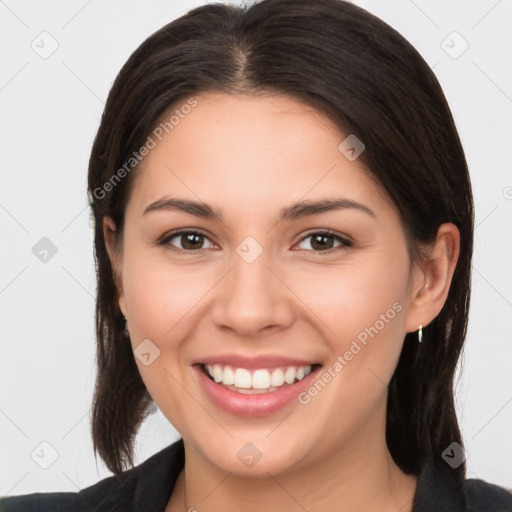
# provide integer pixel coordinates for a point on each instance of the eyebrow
(292, 212)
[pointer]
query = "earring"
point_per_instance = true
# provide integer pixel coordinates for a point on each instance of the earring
(125, 332)
(420, 333)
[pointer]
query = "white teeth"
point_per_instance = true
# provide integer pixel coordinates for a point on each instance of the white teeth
(289, 376)
(229, 376)
(216, 373)
(242, 378)
(259, 379)
(277, 377)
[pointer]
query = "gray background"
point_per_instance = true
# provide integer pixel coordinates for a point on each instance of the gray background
(51, 109)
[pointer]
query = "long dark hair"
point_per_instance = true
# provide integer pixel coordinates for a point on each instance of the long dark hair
(371, 82)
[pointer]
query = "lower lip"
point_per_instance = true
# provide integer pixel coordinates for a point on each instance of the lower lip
(250, 406)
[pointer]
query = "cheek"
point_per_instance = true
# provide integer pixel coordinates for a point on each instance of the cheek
(350, 299)
(361, 308)
(162, 302)
(159, 294)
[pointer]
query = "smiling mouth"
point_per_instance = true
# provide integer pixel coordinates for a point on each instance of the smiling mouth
(256, 381)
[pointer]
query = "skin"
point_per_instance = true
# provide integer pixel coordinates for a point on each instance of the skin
(250, 157)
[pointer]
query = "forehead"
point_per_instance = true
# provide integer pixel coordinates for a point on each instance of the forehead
(250, 152)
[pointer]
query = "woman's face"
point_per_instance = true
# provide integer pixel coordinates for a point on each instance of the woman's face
(256, 292)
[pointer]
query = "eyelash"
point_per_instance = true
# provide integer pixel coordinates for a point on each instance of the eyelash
(344, 242)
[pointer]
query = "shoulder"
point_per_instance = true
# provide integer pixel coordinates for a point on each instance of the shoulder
(147, 486)
(95, 497)
(438, 491)
(483, 496)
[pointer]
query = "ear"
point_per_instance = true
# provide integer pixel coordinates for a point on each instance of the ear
(433, 279)
(109, 234)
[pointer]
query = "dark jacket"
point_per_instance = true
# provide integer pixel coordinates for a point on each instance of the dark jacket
(148, 486)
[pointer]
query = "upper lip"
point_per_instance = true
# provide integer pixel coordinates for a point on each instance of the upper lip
(259, 361)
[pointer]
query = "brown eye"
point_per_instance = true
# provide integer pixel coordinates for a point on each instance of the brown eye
(323, 241)
(190, 240)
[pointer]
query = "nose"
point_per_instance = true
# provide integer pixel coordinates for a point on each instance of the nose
(252, 298)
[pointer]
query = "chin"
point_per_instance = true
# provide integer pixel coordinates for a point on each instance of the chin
(256, 458)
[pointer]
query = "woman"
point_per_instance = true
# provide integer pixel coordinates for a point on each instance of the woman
(283, 236)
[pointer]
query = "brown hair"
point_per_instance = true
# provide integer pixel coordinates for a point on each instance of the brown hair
(360, 72)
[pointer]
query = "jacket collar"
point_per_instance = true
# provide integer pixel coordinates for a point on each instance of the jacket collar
(157, 478)
(437, 493)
